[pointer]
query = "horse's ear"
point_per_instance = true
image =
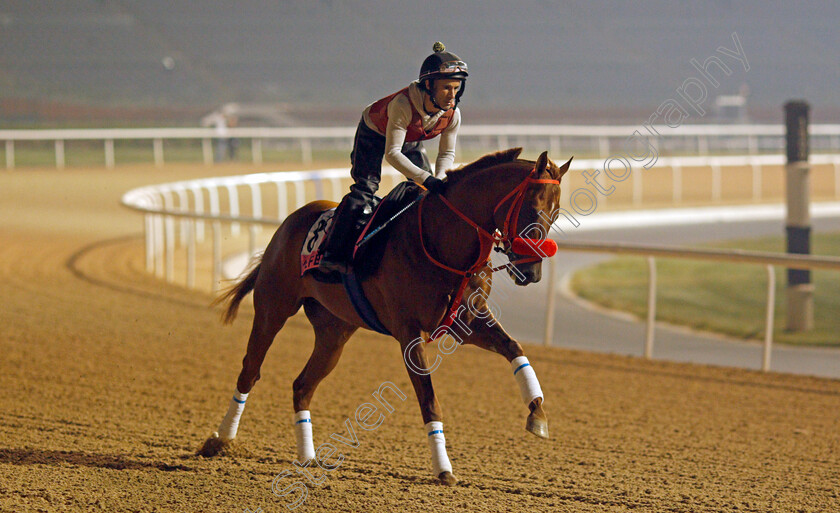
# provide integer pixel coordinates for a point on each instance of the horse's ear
(562, 169)
(542, 162)
(511, 154)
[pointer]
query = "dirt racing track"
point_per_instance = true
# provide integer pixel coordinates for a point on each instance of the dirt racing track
(113, 379)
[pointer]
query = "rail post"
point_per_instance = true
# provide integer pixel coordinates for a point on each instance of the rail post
(604, 146)
(149, 222)
(157, 149)
(59, 153)
(10, 154)
(207, 151)
(550, 302)
(716, 179)
(256, 151)
(306, 150)
(554, 145)
(637, 188)
(169, 248)
(756, 179)
(217, 256)
(768, 322)
(676, 179)
(702, 144)
(836, 177)
(191, 254)
(800, 290)
(110, 160)
(651, 313)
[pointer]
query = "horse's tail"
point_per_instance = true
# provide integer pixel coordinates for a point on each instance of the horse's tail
(235, 294)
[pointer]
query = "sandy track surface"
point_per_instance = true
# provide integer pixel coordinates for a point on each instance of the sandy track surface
(113, 379)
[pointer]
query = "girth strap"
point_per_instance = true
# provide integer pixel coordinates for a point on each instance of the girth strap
(360, 302)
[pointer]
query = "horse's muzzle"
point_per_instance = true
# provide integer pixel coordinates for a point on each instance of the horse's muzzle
(526, 256)
(525, 274)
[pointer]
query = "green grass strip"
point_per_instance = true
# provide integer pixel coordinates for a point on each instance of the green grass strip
(718, 297)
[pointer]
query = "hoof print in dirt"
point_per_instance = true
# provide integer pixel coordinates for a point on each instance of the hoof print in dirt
(215, 446)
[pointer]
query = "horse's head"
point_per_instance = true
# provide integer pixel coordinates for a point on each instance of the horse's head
(530, 221)
(521, 198)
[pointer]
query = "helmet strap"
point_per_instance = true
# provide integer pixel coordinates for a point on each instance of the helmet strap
(435, 103)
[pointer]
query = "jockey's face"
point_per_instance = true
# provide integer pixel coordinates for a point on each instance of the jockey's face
(444, 91)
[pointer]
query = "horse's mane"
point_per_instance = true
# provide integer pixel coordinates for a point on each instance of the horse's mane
(501, 157)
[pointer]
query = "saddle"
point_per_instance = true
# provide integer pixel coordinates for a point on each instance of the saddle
(367, 250)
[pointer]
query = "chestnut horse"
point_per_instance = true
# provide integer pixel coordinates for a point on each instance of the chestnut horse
(484, 204)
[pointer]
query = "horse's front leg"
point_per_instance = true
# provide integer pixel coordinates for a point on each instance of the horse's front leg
(419, 371)
(486, 333)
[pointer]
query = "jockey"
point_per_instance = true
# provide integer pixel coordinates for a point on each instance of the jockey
(394, 128)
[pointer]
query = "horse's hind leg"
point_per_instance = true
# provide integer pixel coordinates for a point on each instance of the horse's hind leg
(272, 309)
(331, 333)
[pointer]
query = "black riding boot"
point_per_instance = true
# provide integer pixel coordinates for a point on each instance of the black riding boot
(346, 228)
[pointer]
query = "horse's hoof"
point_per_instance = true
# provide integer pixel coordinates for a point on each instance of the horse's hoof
(212, 446)
(537, 426)
(446, 478)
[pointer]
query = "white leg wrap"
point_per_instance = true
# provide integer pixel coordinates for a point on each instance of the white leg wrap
(437, 444)
(303, 436)
(529, 386)
(230, 424)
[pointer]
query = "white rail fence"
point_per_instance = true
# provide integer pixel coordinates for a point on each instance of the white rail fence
(598, 139)
(195, 203)
(769, 260)
(176, 216)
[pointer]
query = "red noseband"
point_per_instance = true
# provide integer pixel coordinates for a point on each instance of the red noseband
(543, 248)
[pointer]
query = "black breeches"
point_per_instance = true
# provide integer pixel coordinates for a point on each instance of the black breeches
(366, 171)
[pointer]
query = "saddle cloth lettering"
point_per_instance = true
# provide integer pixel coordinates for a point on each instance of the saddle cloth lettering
(310, 254)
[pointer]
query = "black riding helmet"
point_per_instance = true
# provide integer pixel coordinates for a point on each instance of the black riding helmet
(443, 64)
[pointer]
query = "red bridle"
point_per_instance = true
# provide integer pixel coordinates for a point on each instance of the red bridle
(507, 238)
(509, 241)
